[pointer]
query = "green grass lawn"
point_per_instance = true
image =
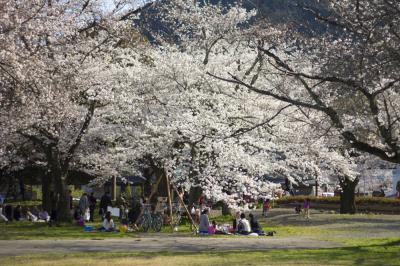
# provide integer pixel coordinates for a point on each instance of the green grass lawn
(383, 252)
(28, 230)
(366, 240)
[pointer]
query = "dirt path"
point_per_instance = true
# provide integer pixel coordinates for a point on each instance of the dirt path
(154, 244)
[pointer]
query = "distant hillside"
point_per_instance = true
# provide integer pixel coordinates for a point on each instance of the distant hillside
(277, 11)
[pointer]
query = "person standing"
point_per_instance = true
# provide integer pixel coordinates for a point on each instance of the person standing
(306, 207)
(84, 205)
(105, 201)
(266, 207)
(398, 189)
(92, 206)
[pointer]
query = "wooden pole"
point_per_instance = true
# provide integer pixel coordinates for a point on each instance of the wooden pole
(153, 191)
(169, 199)
(186, 209)
(115, 188)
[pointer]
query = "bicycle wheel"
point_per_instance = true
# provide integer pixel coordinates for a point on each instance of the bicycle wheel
(145, 224)
(176, 219)
(157, 223)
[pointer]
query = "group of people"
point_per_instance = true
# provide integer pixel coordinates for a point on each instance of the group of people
(85, 209)
(241, 225)
(33, 214)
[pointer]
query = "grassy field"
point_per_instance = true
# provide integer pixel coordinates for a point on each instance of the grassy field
(366, 239)
(27, 230)
(382, 252)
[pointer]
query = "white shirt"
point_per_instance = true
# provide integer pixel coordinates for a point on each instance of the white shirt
(246, 225)
(108, 224)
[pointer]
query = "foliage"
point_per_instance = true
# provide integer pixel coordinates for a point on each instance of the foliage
(232, 104)
(336, 200)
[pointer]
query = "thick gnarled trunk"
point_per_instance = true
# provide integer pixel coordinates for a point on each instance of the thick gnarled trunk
(347, 196)
(46, 199)
(63, 211)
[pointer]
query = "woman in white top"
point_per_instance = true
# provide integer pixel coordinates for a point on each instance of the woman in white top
(108, 223)
(244, 225)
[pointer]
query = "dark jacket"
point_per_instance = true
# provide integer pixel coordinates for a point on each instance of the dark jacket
(255, 225)
(105, 201)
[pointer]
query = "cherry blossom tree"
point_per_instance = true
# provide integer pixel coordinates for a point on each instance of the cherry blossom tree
(205, 132)
(58, 66)
(345, 78)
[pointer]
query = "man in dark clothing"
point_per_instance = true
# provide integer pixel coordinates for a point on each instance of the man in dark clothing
(255, 225)
(8, 211)
(92, 206)
(17, 213)
(105, 201)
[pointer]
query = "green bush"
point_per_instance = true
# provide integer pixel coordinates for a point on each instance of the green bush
(336, 200)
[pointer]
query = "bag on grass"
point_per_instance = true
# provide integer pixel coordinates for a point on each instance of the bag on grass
(87, 215)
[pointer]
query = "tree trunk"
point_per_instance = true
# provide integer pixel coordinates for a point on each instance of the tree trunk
(46, 200)
(63, 211)
(194, 195)
(347, 196)
(225, 209)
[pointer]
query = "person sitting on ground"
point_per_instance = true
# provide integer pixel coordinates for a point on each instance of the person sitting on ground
(18, 213)
(297, 209)
(236, 221)
(8, 212)
(2, 217)
(204, 222)
(243, 225)
(216, 229)
(43, 215)
(28, 214)
(35, 211)
(255, 225)
(108, 223)
(212, 229)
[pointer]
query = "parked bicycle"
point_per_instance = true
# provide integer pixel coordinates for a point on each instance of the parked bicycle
(150, 219)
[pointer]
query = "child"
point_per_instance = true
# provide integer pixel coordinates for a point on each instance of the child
(213, 228)
(266, 207)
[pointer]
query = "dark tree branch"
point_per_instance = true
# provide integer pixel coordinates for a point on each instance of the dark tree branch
(135, 11)
(242, 131)
(80, 135)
